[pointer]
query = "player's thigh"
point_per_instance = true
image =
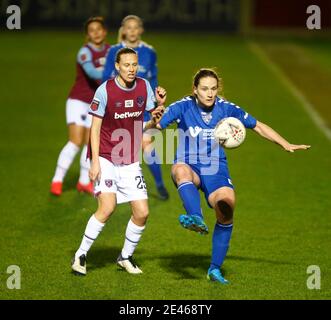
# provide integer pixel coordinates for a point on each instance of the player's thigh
(147, 142)
(86, 135)
(108, 182)
(106, 206)
(88, 120)
(181, 172)
(131, 184)
(76, 134)
(77, 113)
(139, 211)
(106, 190)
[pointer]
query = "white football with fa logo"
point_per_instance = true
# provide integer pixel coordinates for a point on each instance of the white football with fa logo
(230, 133)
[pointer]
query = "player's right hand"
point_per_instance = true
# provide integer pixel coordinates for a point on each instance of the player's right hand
(95, 172)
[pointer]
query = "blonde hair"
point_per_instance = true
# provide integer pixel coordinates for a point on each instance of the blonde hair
(121, 35)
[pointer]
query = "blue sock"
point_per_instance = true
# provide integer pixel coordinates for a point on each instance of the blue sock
(153, 163)
(221, 239)
(191, 198)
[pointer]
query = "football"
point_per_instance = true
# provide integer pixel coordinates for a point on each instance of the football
(230, 133)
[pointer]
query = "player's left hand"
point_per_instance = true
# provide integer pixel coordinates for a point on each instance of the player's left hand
(157, 114)
(161, 96)
(293, 147)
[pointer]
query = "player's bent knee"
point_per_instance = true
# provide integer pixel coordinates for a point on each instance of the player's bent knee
(182, 174)
(143, 214)
(226, 210)
(77, 142)
(140, 217)
(147, 143)
(104, 212)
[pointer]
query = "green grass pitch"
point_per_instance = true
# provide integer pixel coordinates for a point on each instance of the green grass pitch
(282, 219)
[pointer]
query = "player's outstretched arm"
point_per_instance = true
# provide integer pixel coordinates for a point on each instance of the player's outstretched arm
(268, 133)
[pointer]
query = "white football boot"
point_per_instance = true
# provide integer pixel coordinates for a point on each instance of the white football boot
(128, 265)
(78, 265)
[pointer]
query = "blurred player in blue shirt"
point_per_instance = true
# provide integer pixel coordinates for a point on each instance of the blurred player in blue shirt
(130, 36)
(201, 163)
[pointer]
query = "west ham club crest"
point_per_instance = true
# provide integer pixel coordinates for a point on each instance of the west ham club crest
(140, 101)
(95, 105)
(108, 183)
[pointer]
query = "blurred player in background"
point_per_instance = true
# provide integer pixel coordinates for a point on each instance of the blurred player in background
(90, 63)
(201, 162)
(116, 133)
(130, 36)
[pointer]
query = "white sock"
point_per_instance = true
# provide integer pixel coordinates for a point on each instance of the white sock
(66, 157)
(132, 236)
(84, 167)
(93, 229)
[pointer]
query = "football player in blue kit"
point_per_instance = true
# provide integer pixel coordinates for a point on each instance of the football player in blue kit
(130, 36)
(201, 163)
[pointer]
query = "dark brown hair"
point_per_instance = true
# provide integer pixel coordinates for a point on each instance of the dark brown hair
(203, 73)
(100, 20)
(124, 50)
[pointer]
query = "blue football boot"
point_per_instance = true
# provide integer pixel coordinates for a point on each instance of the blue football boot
(193, 223)
(216, 275)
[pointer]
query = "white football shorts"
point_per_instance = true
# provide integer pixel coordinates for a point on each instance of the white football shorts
(77, 113)
(127, 181)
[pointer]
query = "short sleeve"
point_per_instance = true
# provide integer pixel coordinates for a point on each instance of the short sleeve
(172, 113)
(151, 101)
(84, 55)
(99, 102)
(237, 112)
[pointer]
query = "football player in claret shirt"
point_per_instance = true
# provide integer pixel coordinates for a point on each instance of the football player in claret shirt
(130, 36)
(201, 162)
(116, 133)
(89, 66)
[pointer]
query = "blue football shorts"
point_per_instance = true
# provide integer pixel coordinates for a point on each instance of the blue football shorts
(211, 182)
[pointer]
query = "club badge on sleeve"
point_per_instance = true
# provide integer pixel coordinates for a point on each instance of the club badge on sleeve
(95, 105)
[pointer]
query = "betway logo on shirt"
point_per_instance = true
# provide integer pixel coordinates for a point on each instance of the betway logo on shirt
(126, 115)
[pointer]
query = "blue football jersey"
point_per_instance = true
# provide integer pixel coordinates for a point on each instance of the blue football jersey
(147, 62)
(196, 126)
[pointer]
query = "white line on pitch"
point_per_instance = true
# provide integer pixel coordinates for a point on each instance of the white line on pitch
(309, 108)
